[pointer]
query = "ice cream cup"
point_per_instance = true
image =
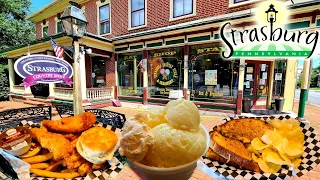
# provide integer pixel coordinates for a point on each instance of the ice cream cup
(182, 172)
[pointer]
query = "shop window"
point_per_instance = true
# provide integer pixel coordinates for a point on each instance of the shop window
(98, 72)
(137, 13)
(165, 72)
(280, 69)
(59, 27)
(130, 75)
(212, 79)
(104, 19)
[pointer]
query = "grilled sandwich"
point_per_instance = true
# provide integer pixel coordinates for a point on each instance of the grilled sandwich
(230, 151)
(244, 130)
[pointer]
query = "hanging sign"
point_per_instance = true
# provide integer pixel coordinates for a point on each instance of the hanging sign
(43, 69)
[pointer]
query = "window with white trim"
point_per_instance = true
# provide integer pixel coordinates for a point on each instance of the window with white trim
(182, 8)
(238, 1)
(104, 19)
(45, 29)
(59, 27)
(137, 13)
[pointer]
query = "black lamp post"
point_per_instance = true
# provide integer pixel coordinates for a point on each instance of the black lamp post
(271, 17)
(74, 23)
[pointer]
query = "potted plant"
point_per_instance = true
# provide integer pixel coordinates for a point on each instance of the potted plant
(279, 101)
(246, 105)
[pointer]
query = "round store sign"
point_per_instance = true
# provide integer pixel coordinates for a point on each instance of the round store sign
(43, 69)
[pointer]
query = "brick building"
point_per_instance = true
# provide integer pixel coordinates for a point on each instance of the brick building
(147, 51)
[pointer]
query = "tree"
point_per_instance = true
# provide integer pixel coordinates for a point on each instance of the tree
(314, 76)
(15, 30)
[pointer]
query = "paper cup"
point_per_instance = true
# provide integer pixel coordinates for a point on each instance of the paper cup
(182, 172)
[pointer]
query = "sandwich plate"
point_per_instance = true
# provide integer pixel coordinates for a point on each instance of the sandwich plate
(113, 168)
(310, 157)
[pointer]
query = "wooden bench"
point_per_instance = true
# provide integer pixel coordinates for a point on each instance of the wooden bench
(13, 117)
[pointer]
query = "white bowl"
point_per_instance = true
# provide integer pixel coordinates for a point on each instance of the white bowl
(182, 172)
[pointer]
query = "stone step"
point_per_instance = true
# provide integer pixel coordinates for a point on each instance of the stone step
(39, 100)
(100, 105)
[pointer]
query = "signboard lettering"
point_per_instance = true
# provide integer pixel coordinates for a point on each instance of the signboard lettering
(43, 69)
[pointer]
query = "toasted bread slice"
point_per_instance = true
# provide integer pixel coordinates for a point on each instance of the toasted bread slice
(244, 130)
(233, 151)
(216, 157)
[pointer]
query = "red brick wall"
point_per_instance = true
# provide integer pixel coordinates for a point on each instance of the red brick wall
(38, 30)
(110, 74)
(158, 14)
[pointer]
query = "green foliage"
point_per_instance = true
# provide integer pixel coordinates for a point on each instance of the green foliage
(4, 82)
(299, 81)
(15, 30)
(314, 76)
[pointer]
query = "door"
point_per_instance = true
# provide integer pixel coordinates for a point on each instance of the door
(256, 83)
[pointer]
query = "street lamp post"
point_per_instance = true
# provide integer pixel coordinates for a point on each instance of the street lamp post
(74, 23)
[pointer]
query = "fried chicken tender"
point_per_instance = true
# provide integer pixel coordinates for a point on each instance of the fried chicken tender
(55, 143)
(74, 124)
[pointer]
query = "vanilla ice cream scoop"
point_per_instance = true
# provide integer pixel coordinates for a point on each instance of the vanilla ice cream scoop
(136, 139)
(182, 114)
(174, 147)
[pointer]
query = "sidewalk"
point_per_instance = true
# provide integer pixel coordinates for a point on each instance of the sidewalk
(208, 120)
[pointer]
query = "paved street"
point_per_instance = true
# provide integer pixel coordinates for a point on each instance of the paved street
(314, 97)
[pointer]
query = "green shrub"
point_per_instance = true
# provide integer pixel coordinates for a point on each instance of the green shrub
(4, 82)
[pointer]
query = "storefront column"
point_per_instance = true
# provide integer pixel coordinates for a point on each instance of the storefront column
(51, 85)
(242, 67)
(115, 56)
(83, 79)
(290, 85)
(271, 79)
(185, 71)
(304, 88)
(145, 77)
(11, 74)
(135, 72)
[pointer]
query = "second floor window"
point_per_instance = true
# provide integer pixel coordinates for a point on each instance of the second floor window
(137, 13)
(59, 27)
(104, 19)
(238, 1)
(182, 7)
(45, 31)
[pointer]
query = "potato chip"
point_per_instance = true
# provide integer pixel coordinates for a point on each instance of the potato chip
(258, 145)
(295, 123)
(268, 167)
(280, 125)
(254, 157)
(283, 154)
(292, 149)
(272, 138)
(251, 149)
(295, 135)
(265, 152)
(275, 158)
(296, 162)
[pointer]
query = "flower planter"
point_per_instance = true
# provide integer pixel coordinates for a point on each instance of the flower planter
(246, 105)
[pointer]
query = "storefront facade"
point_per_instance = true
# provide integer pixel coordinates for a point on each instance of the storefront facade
(166, 57)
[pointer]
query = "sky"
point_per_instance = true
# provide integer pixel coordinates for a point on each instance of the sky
(38, 4)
